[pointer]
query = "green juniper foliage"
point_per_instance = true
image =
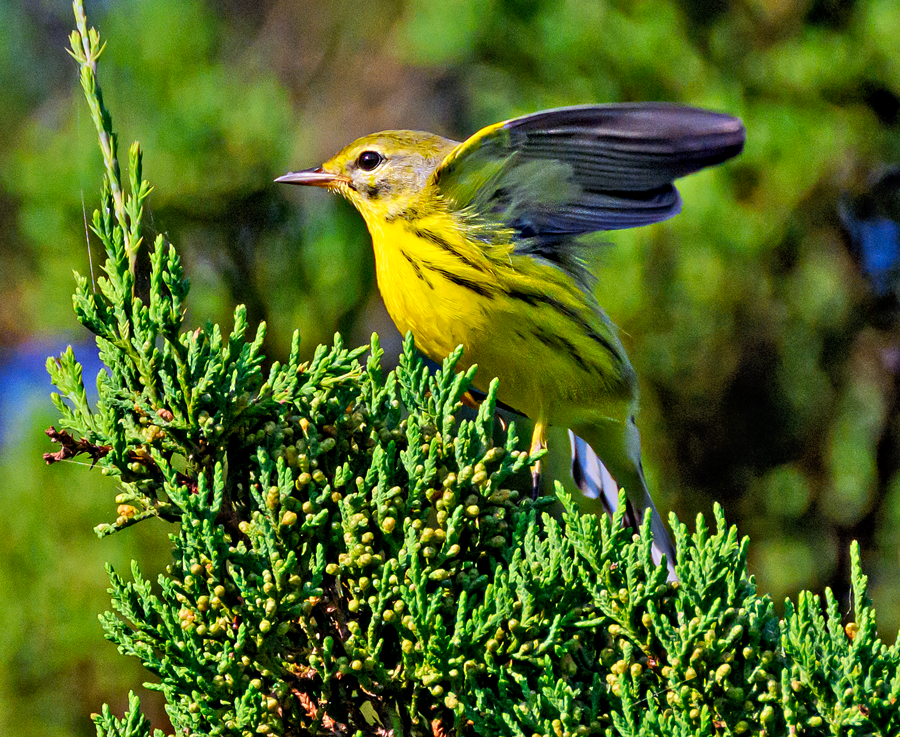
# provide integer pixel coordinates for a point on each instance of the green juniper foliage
(351, 558)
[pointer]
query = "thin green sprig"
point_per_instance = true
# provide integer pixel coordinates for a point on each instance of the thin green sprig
(86, 49)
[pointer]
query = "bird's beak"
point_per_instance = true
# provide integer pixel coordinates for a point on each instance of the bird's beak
(312, 178)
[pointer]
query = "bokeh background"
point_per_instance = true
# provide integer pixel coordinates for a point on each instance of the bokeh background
(763, 321)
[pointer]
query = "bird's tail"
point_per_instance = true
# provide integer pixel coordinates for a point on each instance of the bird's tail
(600, 480)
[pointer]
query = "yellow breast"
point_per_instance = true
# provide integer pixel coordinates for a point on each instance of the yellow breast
(425, 288)
(521, 321)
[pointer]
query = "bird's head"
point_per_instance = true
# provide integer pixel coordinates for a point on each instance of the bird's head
(380, 173)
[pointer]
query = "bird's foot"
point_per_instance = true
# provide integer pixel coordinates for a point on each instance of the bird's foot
(468, 400)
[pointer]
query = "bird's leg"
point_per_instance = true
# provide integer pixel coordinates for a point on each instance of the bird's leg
(538, 442)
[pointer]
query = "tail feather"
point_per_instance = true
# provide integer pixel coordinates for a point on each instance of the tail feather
(592, 477)
(596, 482)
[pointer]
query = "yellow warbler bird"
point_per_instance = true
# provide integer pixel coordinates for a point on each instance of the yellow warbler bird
(480, 244)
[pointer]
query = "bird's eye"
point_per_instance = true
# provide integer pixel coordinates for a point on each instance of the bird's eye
(368, 160)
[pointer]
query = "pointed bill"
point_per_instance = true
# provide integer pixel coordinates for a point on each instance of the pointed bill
(312, 177)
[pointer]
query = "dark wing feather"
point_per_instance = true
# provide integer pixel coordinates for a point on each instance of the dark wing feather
(629, 147)
(561, 173)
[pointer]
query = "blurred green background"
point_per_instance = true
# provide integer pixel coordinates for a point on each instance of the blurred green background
(764, 336)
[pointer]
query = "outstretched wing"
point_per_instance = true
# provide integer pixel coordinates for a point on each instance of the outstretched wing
(559, 173)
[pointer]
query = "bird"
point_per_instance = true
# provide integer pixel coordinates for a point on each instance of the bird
(487, 243)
